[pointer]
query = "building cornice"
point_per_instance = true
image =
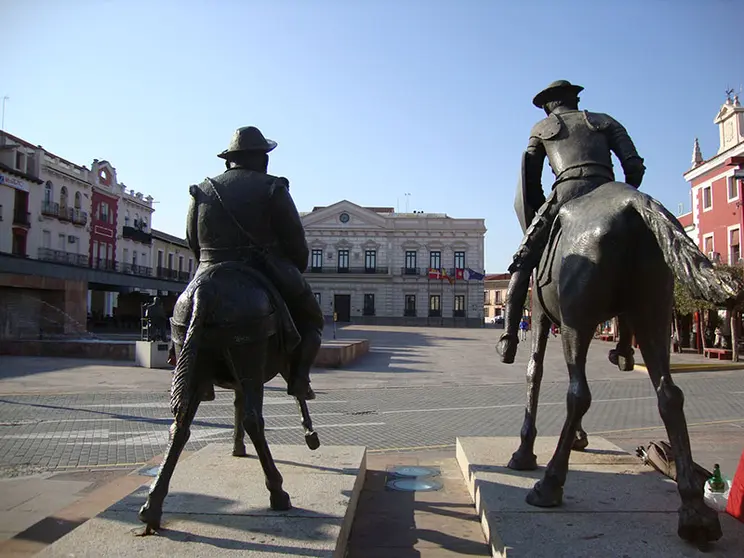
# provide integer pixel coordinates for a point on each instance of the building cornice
(711, 164)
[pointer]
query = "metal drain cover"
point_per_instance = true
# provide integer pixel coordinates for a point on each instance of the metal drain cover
(149, 472)
(413, 471)
(409, 478)
(414, 484)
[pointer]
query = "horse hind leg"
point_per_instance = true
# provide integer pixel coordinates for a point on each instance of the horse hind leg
(548, 492)
(524, 459)
(622, 354)
(152, 511)
(253, 421)
(238, 430)
(698, 523)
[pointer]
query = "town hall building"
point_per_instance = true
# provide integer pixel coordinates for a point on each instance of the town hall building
(372, 265)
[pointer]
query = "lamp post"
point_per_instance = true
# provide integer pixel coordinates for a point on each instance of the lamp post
(2, 124)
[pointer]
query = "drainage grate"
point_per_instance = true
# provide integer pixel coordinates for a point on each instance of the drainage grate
(408, 478)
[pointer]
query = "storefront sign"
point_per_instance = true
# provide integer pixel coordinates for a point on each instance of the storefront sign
(13, 182)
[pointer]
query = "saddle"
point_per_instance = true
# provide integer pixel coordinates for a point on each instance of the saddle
(226, 324)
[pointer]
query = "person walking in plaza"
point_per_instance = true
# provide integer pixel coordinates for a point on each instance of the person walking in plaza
(523, 326)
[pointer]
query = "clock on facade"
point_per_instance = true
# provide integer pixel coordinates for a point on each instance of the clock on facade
(344, 217)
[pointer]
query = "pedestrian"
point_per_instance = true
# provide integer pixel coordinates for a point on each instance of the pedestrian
(523, 329)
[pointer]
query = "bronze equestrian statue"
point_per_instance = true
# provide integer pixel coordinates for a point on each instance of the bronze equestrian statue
(609, 250)
(248, 314)
(156, 320)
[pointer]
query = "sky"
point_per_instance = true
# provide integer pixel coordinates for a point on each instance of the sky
(369, 100)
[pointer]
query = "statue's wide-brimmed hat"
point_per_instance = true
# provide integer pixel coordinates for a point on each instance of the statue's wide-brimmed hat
(549, 93)
(248, 138)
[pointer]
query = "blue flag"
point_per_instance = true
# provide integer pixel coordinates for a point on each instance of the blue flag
(470, 275)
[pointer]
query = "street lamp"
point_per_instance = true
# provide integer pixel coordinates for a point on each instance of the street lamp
(2, 123)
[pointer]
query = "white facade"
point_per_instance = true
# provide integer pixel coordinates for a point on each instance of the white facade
(371, 265)
(61, 231)
(135, 212)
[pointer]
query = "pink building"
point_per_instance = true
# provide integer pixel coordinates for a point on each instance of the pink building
(716, 221)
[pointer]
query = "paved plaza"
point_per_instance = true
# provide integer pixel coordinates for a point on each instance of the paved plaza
(418, 388)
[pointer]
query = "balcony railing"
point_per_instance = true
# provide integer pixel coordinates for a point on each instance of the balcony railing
(22, 218)
(435, 313)
(103, 263)
(412, 271)
(165, 273)
(64, 213)
(458, 313)
(409, 312)
(350, 270)
(137, 234)
(368, 312)
(50, 208)
(134, 269)
(60, 256)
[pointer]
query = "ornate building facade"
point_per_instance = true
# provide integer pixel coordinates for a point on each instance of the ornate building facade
(375, 266)
(716, 221)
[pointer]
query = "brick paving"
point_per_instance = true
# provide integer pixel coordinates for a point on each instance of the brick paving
(419, 387)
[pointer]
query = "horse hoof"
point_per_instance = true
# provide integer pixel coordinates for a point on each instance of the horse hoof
(150, 517)
(312, 441)
(699, 524)
(280, 501)
(580, 443)
(626, 363)
(613, 356)
(543, 496)
(239, 452)
(521, 461)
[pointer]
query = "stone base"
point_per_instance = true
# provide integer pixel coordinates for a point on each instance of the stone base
(337, 353)
(612, 505)
(69, 348)
(151, 354)
(218, 505)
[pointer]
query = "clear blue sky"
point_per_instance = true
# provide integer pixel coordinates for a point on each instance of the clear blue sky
(368, 99)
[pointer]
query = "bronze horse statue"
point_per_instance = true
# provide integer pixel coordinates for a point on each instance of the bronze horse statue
(228, 331)
(615, 252)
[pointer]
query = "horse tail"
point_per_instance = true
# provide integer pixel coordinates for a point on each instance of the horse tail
(688, 264)
(184, 375)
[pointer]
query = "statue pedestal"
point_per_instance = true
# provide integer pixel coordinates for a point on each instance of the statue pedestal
(151, 354)
(218, 506)
(613, 505)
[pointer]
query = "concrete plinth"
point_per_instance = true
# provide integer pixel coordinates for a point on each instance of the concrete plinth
(337, 353)
(151, 354)
(218, 505)
(612, 506)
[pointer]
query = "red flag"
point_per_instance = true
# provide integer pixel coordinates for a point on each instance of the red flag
(459, 273)
(434, 273)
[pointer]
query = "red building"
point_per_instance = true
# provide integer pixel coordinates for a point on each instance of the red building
(716, 221)
(104, 211)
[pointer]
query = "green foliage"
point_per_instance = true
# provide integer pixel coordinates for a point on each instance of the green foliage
(685, 304)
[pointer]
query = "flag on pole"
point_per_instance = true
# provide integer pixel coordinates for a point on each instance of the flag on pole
(459, 273)
(435, 273)
(446, 276)
(472, 275)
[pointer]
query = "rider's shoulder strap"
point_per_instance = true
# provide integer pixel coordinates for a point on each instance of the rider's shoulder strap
(212, 185)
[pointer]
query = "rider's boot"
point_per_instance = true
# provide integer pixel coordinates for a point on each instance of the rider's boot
(302, 359)
(519, 284)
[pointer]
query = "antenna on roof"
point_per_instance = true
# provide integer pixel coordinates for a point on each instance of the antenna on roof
(729, 92)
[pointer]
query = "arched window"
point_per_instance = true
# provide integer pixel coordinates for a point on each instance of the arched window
(48, 191)
(63, 197)
(78, 201)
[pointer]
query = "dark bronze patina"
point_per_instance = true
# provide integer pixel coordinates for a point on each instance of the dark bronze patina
(610, 250)
(247, 315)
